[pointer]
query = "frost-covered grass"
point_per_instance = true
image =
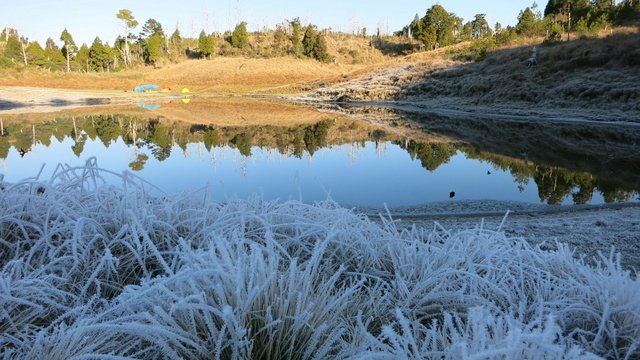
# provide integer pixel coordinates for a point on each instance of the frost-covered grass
(94, 271)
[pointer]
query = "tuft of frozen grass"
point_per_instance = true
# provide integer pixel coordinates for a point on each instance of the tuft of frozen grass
(96, 271)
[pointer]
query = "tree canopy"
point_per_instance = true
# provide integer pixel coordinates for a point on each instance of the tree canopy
(240, 36)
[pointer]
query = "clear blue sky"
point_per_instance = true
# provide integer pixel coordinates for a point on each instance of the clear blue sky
(86, 19)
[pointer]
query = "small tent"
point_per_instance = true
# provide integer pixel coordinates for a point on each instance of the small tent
(145, 88)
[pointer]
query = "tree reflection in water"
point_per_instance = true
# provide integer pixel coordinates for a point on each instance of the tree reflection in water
(158, 136)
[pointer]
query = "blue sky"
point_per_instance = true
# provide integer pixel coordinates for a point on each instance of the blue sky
(39, 19)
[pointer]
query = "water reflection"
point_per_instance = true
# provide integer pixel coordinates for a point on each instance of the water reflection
(468, 168)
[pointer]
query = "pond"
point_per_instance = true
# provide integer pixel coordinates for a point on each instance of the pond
(357, 156)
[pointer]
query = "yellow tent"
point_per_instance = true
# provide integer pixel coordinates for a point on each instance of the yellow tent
(185, 90)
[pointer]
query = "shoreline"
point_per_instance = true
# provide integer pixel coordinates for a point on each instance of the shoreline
(16, 100)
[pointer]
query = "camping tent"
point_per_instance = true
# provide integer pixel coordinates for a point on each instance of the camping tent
(147, 87)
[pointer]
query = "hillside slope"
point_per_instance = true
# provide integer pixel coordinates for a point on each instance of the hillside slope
(594, 74)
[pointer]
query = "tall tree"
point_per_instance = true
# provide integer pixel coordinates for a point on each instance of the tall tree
(128, 23)
(528, 22)
(296, 38)
(35, 53)
(439, 26)
(480, 26)
(69, 47)
(13, 48)
(416, 28)
(100, 55)
(309, 40)
(240, 36)
(151, 27)
(205, 44)
(153, 48)
(82, 57)
(175, 41)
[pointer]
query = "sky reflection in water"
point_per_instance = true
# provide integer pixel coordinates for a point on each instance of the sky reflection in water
(351, 174)
(277, 150)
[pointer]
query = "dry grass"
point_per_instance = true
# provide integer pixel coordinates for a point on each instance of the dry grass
(599, 72)
(220, 75)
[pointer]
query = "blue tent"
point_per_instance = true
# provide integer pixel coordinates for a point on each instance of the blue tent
(143, 88)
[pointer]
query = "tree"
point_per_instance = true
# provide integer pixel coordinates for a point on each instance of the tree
(240, 37)
(205, 44)
(296, 38)
(439, 26)
(128, 23)
(13, 48)
(480, 27)
(100, 55)
(82, 57)
(35, 53)
(314, 45)
(280, 40)
(528, 22)
(416, 28)
(309, 40)
(53, 58)
(153, 47)
(69, 47)
(175, 42)
(151, 27)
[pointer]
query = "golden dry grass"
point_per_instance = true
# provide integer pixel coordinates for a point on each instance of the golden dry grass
(220, 75)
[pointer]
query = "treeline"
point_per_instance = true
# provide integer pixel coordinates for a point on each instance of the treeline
(439, 27)
(152, 45)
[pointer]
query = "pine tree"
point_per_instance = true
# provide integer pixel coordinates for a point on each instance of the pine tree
(240, 37)
(480, 27)
(309, 41)
(205, 44)
(128, 23)
(528, 22)
(296, 38)
(100, 55)
(175, 42)
(13, 48)
(153, 47)
(82, 57)
(69, 47)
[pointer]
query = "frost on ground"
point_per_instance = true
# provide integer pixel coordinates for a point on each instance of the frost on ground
(94, 271)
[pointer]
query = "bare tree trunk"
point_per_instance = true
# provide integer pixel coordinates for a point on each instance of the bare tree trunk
(127, 54)
(1, 127)
(67, 53)
(24, 53)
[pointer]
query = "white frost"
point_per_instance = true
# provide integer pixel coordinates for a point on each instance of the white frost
(94, 271)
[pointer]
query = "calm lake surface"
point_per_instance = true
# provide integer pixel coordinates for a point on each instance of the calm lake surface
(395, 159)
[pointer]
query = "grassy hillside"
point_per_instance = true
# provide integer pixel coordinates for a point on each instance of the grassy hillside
(231, 70)
(597, 72)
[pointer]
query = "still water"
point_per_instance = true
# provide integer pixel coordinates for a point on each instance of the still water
(349, 161)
